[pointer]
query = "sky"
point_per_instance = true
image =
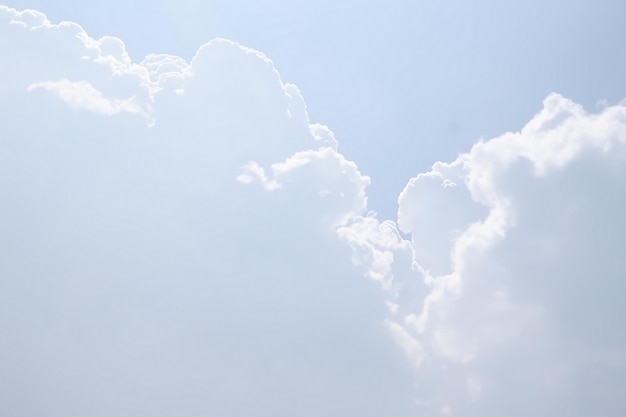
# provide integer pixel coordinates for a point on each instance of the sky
(402, 85)
(332, 209)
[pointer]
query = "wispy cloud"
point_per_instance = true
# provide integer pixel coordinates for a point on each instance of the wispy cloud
(82, 95)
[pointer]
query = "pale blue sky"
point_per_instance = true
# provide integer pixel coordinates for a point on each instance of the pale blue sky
(404, 83)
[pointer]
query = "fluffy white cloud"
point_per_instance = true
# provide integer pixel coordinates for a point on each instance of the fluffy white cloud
(520, 243)
(201, 250)
(168, 241)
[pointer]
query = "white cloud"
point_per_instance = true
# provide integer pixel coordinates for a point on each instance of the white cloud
(26, 18)
(187, 268)
(522, 264)
(253, 172)
(82, 95)
(213, 263)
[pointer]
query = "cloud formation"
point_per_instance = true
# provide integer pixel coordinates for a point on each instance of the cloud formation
(177, 238)
(168, 239)
(519, 244)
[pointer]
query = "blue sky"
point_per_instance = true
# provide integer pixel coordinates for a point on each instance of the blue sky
(403, 84)
(333, 210)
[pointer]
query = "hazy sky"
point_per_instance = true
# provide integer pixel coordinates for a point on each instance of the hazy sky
(192, 234)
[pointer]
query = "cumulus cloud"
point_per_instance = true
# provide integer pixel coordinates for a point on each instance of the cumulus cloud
(206, 250)
(519, 243)
(171, 248)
